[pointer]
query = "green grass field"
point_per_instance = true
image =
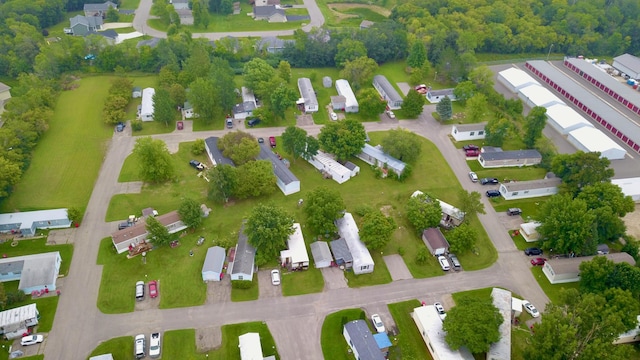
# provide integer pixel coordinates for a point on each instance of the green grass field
(302, 282)
(334, 346)
(120, 348)
(552, 290)
(409, 343)
(250, 294)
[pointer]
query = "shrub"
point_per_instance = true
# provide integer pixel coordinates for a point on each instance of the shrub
(422, 255)
(362, 210)
(198, 147)
(136, 125)
(14, 297)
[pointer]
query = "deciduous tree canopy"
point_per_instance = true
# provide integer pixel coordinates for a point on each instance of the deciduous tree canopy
(268, 227)
(156, 164)
(323, 206)
(344, 138)
(472, 323)
(423, 212)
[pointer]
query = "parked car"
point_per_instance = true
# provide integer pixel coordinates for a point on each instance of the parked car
(124, 225)
(154, 345)
(197, 165)
(334, 116)
(514, 211)
(253, 122)
(140, 291)
(492, 193)
(139, 346)
(180, 125)
(272, 141)
(440, 310)
(444, 263)
(532, 251)
(229, 121)
(455, 262)
(473, 176)
(153, 289)
(489, 181)
(472, 153)
(377, 323)
(260, 140)
(391, 114)
(538, 261)
(528, 307)
(470, 147)
(120, 127)
(31, 340)
(275, 277)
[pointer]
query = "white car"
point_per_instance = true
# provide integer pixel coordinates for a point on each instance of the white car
(138, 346)
(528, 307)
(377, 323)
(154, 345)
(473, 177)
(391, 114)
(275, 277)
(31, 340)
(444, 263)
(440, 310)
(334, 116)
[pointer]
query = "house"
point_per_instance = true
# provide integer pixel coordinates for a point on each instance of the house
(98, 10)
(387, 92)
(630, 187)
(308, 95)
(111, 36)
(242, 263)
(499, 158)
(214, 264)
(245, 109)
(501, 350)
(341, 253)
(186, 16)
(377, 157)
(435, 96)
(37, 272)
(361, 341)
(250, 346)
(350, 102)
(348, 230)
(338, 102)
(215, 155)
(589, 139)
(435, 241)
(565, 270)
(328, 166)
(269, 13)
(353, 168)
(14, 323)
(529, 231)
(321, 254)
(429, 326)
(529, 189)
(536, 95)
(296, 256)
(365, 24)
(451, 215)
(187, 111)
(465, 132)
(628, 64)
(127, 238)
(180, 4)
(272, 44)
(27, 222)
(327, 82)
(516, 79)
(630, 336)
(5, 95)
(286, 181)
(564, 119)
(136, 92)
(146, 108)
(83, 25)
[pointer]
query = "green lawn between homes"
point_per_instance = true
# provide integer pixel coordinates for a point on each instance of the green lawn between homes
(408, 344)
(120, 348)
(334, 346)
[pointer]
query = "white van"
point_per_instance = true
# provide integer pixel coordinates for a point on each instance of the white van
(138, 346)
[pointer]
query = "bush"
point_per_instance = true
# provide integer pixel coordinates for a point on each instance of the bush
(241, 284)
(14, 297)
(362, 210)
(422, 255)
(136, 125)
(198, 147)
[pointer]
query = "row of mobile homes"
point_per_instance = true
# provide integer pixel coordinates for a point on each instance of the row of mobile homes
(530, 189)
(286, 181)
(328, 166)
(387, 92)
(348, 230)
(26, 223)
(128, 238)
(146, 107)
(466, 132)
(308, 95)
(516, 79)
(377, 157)
(212, 269)
(344, 89)
(322, 257)
(296, 256)
(429, 326)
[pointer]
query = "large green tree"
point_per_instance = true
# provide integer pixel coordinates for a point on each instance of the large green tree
(423, 212)
(462, 238)
(600, 274)
(239, 146)
(255, 178)
(257, 76)
(323, 206)
(496, 130)
(472, 323)
(284, 71)
(282, 98)
(566, 226)
(376, 229)
(156, 164)
(470, 203)
(417, 54)
(534, 124)
(444, 109)
(581, 169)
(348, 50)
(164, 109)
(297, 143)
(359, 71)
(403, 145)
(465, 90)
(222, 81)
(369, 103)
(343, 138)
(477, 107)
(268, 227)
(413, 103)
(223, 182)
(190, 213)
(200, 96)
(158, 233)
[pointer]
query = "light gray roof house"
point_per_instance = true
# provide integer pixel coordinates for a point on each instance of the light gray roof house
(213, 264)
(244, 257)
(341, 253)
(215, 155)
(273, 44)
(308, 94)
(35, 272)
(377, 157)
(361, 340)
(489, 159)
(501, 350)
(83, 25)
(28, 221)
(387, 91)
(286, 181)
(321, 254)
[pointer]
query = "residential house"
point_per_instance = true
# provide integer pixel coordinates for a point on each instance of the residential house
(272, 44)
(26, 223)
(351, 103)
(111, 36)
(321, 254)
(501, 350)
(589, 139)
(435, 241)
(630, 336)
(14, 323)
(387, 92)
(515, 79)
(286, 181)
(83, 25)
(435, 96)
(269, 13)
(296, 256)
(186, 16)
(250, 346)
(429, 326)
(212, 269)
(328, 166)
(451, 215)
(128, 238)
(338, 102)
(99, 10)
(242, 261)
(146, 107)
(341, 253)
(530, 189)
(377, 157)
(361, 341)
(187, 111)
(529, 231)
(630, 187)
(353, 168)
(365, 24)
(136, 92)
(5, 95)
(215, 155)
(37, 272)
(628, 64)
(499, 158)
(348, 230)
(308, 95)
(245, 109)
(466, 132)
(565, 270)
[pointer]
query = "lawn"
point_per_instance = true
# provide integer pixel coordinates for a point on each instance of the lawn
(250, 294)
(120, 348)
(38, 246)
(552, 290)
(343, 15)
(514, 173)
(334, 346)
(379, 276)
(409, 343)
(529, 206)
(46, 306)
(302, 282)
(129, 4)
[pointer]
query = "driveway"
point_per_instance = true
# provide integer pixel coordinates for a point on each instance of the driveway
(268, 290)
(397, 268)
(334, 278)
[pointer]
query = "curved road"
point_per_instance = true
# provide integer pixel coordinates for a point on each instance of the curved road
(295, 322)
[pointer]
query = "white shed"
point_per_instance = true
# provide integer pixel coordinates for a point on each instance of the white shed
(308, 95)
(465, 132)
(590, 139)
(536, 95)
(321, 254)
(213, 264)
(136, 92)
(529, 231)
(629, 186)
(344, 89)
(326, 164)
(146, 108)
(296, 256)
(348, 230)
(564, 119)
(516, 79)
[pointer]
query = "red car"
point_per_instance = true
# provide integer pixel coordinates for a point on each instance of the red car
(538, 261)
(472, 153)
(153, 289)
(272, 141)
(180, 125)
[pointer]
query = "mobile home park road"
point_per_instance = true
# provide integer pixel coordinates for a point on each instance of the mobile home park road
(296, 321)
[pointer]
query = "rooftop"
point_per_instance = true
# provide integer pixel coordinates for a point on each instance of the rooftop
(595, 140)
(629, 61)
(214, 261)
(501, 350)
(245, 255)
(517, 77)
(572, 265)
(429, 318)
(382, 157)
(26, 219)
(471, 127)
(320, 252)
(362, 340)
(348, 230)
(307, 92)
(435, 238)
(218, 158)
(340, 250)
(386, 86)
(511, 155)
(532, 184)
(19, 314)
(279, 168)
(597, 73)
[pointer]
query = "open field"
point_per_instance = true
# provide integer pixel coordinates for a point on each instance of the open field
(120, 348)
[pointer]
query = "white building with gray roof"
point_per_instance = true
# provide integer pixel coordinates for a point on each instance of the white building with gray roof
(308, 95)
(501, 350)
(213, 264)
(387, 92)
(242, 265)
(286, 181)
(37, 272)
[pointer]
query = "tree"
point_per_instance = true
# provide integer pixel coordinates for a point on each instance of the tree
(369, 103)
(359, 71)
(476, 107)
(581, 169)
(282, 98)
(190, 213)
(607, 194)
(3, 297)
(284, 71)
(112, 15)
(74, 214)
(200, 98)
(417, 55)
(601, 274)
(222, 80)
(470, 203)
(462, 238)
(413, 103)
(255, 178)
(348, 50)
(156, 164)
(482, 77)
(444, 109)
(584, 326)
(223, 182)
(323, 206)
(178, 94)
(10, 174)
(566, 225)
(158, 233)
(257, 76)
(163, 107)
(464, 90)
(496, 130)
(423, 212)
(402, 144)
(200, 13)
(534, 124)
(376, 229)
(473, 323)
(297, 143)
(268, 227)
(344, 138)
(239, 146)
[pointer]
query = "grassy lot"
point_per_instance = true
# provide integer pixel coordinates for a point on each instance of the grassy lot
(46, 306)
(38, 246)
(529, 206)
(129, 4)
(552, 290)
(334, 346)
(380, 274)
(230, 349)
(250, 294)
(302, 282)
(120, 348)
(409, 344)
(125, 30)
(520, 243)
(344, 15)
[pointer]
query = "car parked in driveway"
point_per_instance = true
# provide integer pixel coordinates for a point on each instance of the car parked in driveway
(470, 147)
(120, 127)
(528, 307)
(154, 345)
(473, 176)
(139, 346)
(492, 193)
(272, 141)
(532, 251)
(444, 263)
(489, 181)
(197, 165)
(538, 261)
(440, 310)
(153, 289)
(31, 340)
(514, 211)
(334, 116)
(390, 114)
(253, 122)
(455, 262)
(275, 277)
(180, 125)
(139, 290)
(377, 323)
(472, 153)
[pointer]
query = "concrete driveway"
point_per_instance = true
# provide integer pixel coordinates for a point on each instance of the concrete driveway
(268, 290)
(397, 268)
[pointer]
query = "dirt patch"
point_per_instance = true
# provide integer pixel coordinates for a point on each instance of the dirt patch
(208, 338)
(386, 210)
(341, 7)
(632, 220)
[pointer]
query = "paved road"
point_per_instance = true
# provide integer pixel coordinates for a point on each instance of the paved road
(294, 321)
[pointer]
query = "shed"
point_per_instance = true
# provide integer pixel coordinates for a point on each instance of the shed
(435, 241)
(250, 346)
(213, 264)
(429, 326)
(338, 102)
(327, 82)
(564, 119)
(515, 79)
(496, 159)
(628, 64)
(286, 181)
(146, 109)
(308, 95)
(377, 157)
(26, 223)
(361, 341)
(465, 132)
(516, 307)
(321, 254)
(529, 189)
(501, 350)
(136, 92)
(187, 111)
(355, 169)
(565, 270)
(328, 165)
(215, 155)
(341, 253)
(387, 92)
(365, 24)
(296, 256)
(37, 272)
(348, 230)
(630, 187)
(435, 96)
(529, 232)
(589, 139)
(242, 265)
(15, 322)
(344, 89)
(536, 95)
(383, 342)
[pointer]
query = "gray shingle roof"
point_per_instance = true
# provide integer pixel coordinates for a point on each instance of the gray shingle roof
(279, 169)
(471, 127)
(320, 252)
(212, 144)
(533, 184)
(363, 340)
(340, 250)
(511, 155)
(100, 7)
(386, 86)
(214, 261)
(307, 92)
(245, 254)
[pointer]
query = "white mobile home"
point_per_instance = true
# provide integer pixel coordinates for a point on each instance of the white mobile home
(377, 157)
(36, 272)
(15, 322)
(296, 256)
(429, 326)
(250, 346)
(498, 158)
(328, 165)
(308, 95)
(435, 96)
(589, 139)
(565, 270)
(26, 223)
(630, 336)
(242, 263)
(501, 350)
(213, 264)
(286, 181)
(146, 108)
(321, 254)
(630, 187)
(516, 79)
(465, 132)
(344, 89)
(529, 189)
(529, 231)
(348, 230)
(387, 92)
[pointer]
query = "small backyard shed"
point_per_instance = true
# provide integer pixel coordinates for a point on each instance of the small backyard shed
(529, 231)
(213, 264)
(327, 82)
(341, 253)
(435, 241)
(321, 254)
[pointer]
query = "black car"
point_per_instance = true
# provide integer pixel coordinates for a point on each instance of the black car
(493, 193)
(261, 140)
(514, 211)
(532, 251)
(196, 165)
(470, 147)
(489, 181)
(253, 122)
